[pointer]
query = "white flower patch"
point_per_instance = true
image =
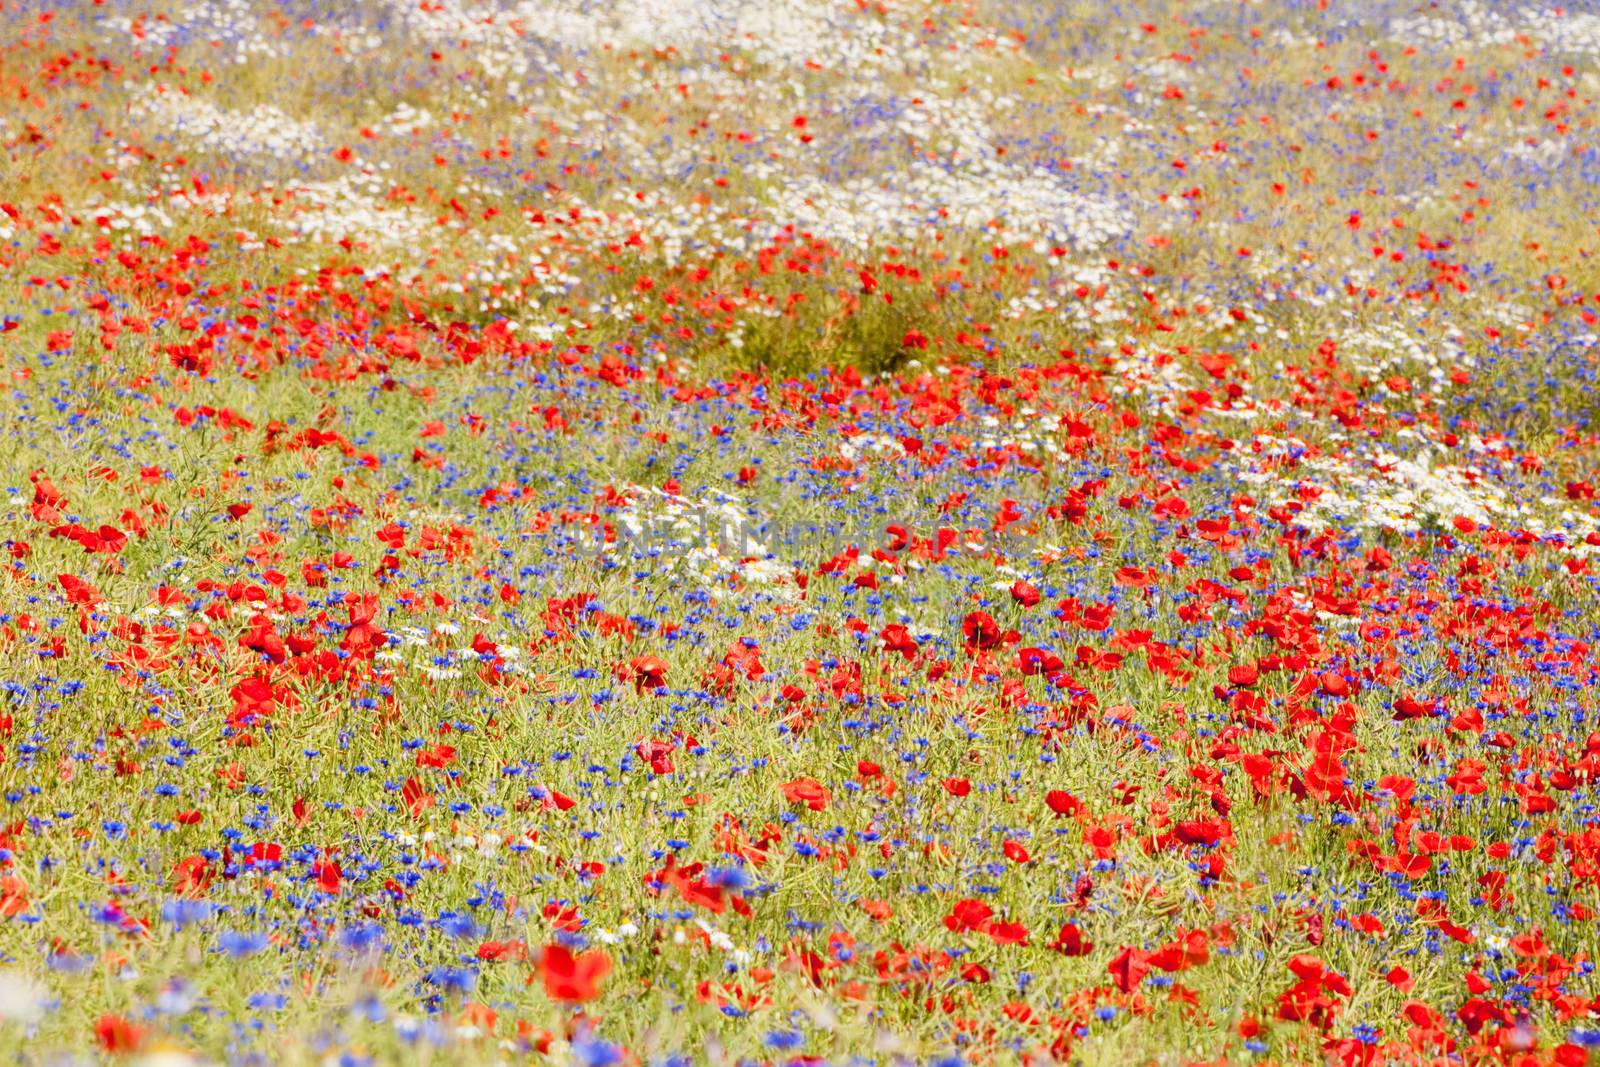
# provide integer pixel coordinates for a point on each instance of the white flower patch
(722, 942)
(1090, 279)
(1562, 30)
(778, 33)
(711, 542)
(497, 40)
(231, 25)
(1158, 381)
(907, 205)
(1383, 491)
(1387, 348)
(263, 131)
(133, 220)
(406, 119)
(545, 55)
(22, 1000)
(875, 444)
(351, 42)
(958, 128)
(354, 207)
(1472, 22)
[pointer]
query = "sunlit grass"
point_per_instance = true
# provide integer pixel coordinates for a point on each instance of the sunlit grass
(1323, 407)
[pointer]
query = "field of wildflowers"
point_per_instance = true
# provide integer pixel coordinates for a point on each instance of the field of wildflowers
(799, 531)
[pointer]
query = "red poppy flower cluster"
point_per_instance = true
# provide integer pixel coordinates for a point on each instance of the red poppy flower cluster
(790, 528)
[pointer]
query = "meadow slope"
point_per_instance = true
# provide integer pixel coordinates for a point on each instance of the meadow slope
(680, 531)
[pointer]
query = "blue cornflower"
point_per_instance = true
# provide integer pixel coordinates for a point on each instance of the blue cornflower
(458, 925)
(239, 944)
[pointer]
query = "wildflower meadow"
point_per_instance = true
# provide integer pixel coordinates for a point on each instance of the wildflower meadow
(675, 532)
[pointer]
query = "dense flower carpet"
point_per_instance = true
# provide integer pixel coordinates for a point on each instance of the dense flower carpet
(799, 531)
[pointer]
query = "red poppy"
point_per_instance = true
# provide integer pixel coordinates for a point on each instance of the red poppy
(117, 1035)
(573, 978)
(896, 638)
(47, 499)
(1070, 941)
(980, 630)
(493, 951)
(968, 915)
(1129, 968)
(1062, 802)
(13, 896)
(1024, 593)
(416, 796)
(649, 672)
(328, 876)
(658, 754)
(191, 876)
(1007, 933)
(808, 791)
(362, 638)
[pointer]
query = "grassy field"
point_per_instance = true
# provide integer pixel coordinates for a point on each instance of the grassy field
(798, 532)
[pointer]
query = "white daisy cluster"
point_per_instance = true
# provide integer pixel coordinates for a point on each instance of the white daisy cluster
(957, 128)
(1404, 494)
(777, 33)
(547, 55)
(232, 26)
(1386, 348)
(1089, 277)
(159, 32)
(405, 119)
(351, 43)
(434, 652)
(711, 542)
(1560, 29)
(354, 207)
(674, 229)
(1030, 431)
(842, 38)
(1564, 31)
(717, 939)
(131, 221)
(1157, 380)
(263, 132)
(499, 40)
(22, 1000)
(1542, 153)
(871, 444)
(906, 205)
(1468, 22)
(669, 228)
